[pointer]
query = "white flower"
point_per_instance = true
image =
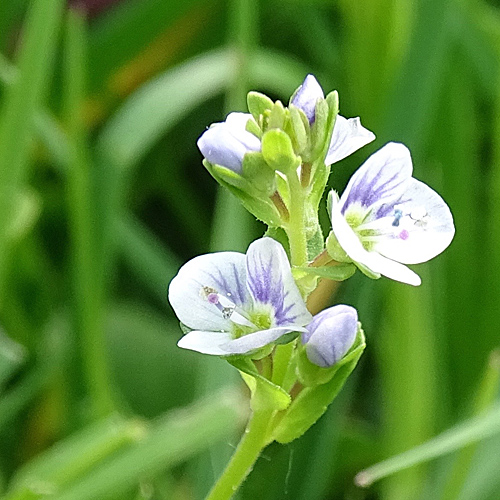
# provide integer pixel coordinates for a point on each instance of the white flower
(386, 218)
(348, 134)
(226, 143)
(236, 303)
(330, 335)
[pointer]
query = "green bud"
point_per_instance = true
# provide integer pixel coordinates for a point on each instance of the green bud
(277, 116)
(319, 130)
(278, 151)
(258, 104)
(299, 125)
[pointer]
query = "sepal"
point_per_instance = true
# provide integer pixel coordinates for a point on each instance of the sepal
(313, 401)
(258, 105)
(278, 152)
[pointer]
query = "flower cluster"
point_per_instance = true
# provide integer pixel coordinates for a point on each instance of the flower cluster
(251, 309)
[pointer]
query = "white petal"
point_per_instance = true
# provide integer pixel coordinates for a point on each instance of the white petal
(225, 272)
(206, 342)
(422, 237)
(375, 262)
(381, 180)
(221, 343)
(270, 282)
(256, 340)
(348, 136)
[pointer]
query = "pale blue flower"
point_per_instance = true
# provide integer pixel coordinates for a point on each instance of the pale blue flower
(330, 335)
(348, 134)
(226, 143)
(386, 218)
(236, 303)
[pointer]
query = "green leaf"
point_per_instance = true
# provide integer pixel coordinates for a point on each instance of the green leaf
(265, 394)
(278, 151)
(340, 272)
(313, 401)
(258, 104)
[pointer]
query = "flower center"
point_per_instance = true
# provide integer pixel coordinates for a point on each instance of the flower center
(243, 323)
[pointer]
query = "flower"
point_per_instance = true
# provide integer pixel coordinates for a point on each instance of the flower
(330, 335)
(226, 143)
(386, 218)
(348, 134)
(236, 303)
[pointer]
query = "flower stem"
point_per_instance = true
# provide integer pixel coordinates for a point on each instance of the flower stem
(254, 440)
(295, 229)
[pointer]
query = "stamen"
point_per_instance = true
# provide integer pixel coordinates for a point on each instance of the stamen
(226, 306)
(397, 217)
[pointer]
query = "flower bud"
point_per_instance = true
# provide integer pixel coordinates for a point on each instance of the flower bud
(226, 143)
(330, 335)
(306, 97)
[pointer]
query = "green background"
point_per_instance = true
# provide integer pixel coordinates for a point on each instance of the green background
(103, 197)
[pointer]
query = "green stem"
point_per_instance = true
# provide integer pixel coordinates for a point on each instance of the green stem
(295, 229)
(281, 361)
(252, 443)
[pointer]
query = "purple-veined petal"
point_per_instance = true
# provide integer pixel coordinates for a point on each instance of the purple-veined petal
(307, 95)
(423, 229)
(352, 245)
(221, 343)
(330, 335)
(348, 136)
(225, 273)
(270, 282)
(226, 143)
(381, 180)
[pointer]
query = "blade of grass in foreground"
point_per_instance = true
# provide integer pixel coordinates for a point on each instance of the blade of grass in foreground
(22, 99)
(464, 434)
(171, 440)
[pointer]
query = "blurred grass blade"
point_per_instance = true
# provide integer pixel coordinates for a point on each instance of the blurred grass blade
(153, 264)
(76, 456)
(170, 441)
(12, 356)
(485, 397)
(22, 99)
(464, 434)
(88, 288)
(161, 103)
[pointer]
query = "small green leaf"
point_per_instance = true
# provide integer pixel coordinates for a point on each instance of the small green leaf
(265, 394)
(340, 272)
(226, 175)
(258, 104)
(278, 151)
(313, 401)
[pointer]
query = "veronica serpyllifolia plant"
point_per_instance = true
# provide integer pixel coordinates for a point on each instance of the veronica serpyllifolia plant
(250, 309)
